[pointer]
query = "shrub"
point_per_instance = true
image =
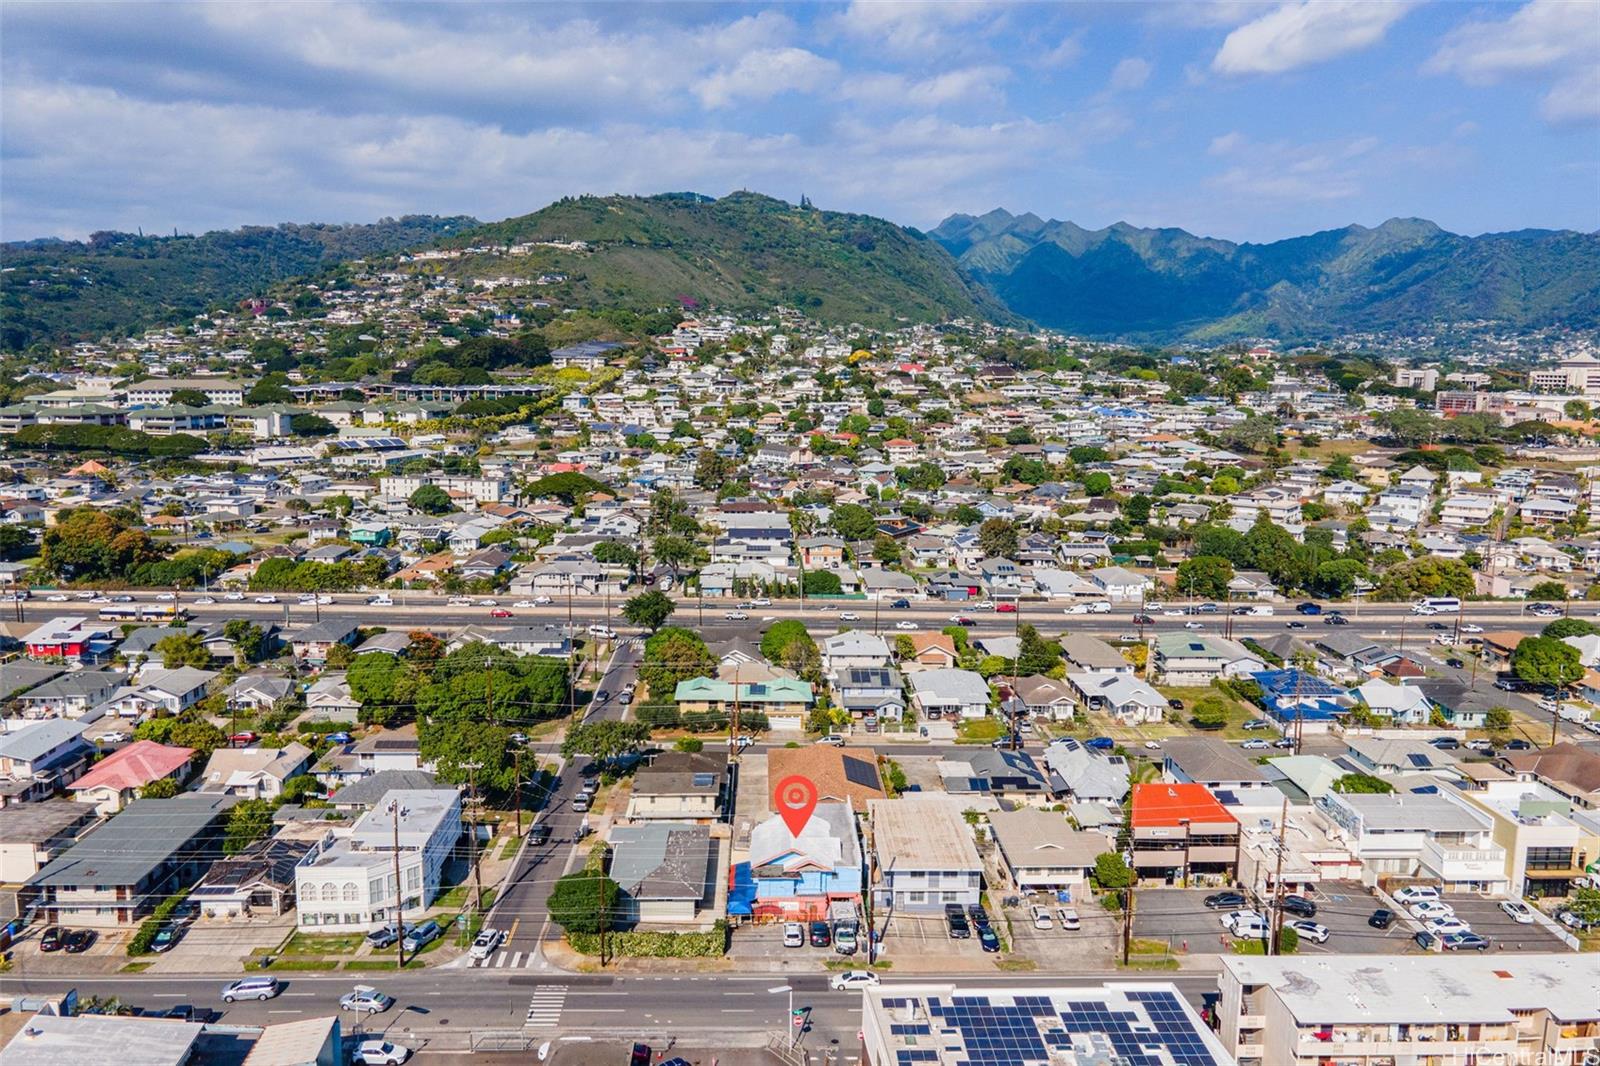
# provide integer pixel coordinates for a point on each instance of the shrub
(140, 944)
(642, 945)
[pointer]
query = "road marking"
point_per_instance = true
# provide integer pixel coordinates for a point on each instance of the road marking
(516, 960)
(288, 994)
(732, 1010)
(285, 1012)
(738, 993)
(544, 1010)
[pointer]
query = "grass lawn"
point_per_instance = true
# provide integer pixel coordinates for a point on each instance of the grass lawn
(977, 730)
(510, 847)
(137, 967)
(305, 964)
(457, 897)
(1239, 712)
(306, 944)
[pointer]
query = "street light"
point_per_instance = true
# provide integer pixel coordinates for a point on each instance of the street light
(779, 990)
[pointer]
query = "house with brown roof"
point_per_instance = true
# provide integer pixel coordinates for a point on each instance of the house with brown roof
(840, 774)
(679, 786)
(933, 651)
(1570, 769)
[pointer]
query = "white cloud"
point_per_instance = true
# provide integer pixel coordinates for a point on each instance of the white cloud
(1555, 38)
(960, 86)
(1280, 173)
(1305, 32)
(1131, 73)
(764, 74)
(912, 26)
(1068, 52)
(1226, 144)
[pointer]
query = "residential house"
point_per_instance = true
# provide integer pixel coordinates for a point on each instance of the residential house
(666, 872)
(1042, 852)
(853, 648)
(1572, 770)
(924, 855)
(950, 694)
(780, 696)
(254, 773)
(870, 692)
(796, 878)
(1199, 658)
(1227, 773)
(1045, 697)
(258, 881)
(71, 637)
(32, 834)
(39, 758)
(841, 775)
(1091, 655)
(312, 644)
(157, 690)
(1403, 704)
(329, 699)
(1120, 585)
(258, 692)
(1181, 832)
(1433, 835)
(679, 786)
(113, 782)
(116, 875)
(70, 695)
(998, 772)
(1121, 695)
(931, 651)
(1086, 776)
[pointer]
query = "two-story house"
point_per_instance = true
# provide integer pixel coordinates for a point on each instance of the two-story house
(924, 855)
(679, 786)
(796, 878)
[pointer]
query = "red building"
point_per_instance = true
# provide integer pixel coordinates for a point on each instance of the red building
(70, 638)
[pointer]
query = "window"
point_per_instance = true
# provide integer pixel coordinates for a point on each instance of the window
(330, 892)
(414, 877)
(352, 893)
(1549, 858)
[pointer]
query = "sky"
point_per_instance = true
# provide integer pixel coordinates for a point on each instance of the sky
(1239, 120)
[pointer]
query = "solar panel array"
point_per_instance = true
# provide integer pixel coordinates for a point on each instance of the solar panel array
(983, 1031)
(860, 772)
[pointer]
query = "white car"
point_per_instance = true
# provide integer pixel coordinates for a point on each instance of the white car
(794, 935)
(905, 625)
(166, 597)
(1173, 612)
(762, 602)
(366, 998)
(542, 601)
(1245, 917)
(1446, 926)
(308, 600)
(59, 597)
(605, 632)
(487, 603)
(1429, 909)
(205, 601)
(1069, 918)
(380, 601)
(268, 598)
(843, 982)
(113, 738)
(233, 597)
(1194, 625)
(325, 599)
(380, 1053)
(1255, 745)
(523, 605)
(849, 616)
(1468, 627)
(1041, 918)
(1517, 911)
(1415, 894)
(484, 944)
(1151, 745)
(735, 616)
(459, 601)
(1312, 931)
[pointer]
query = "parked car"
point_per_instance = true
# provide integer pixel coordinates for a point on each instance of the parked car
(843, 982)
(484, 944)
(116, 736)
(1446, 743)
(1041, 917)
(794, 935)
(78, 941)
(582, 802)
(1517, 911)
(382, 937)
(1429, 909)
(821, 935)
(988, 940)
(1425, 940)
(978, 916)
(166, 938)
(420, 936)
(1464, 942)
(955, 920)
(1255, 745)
(1225, 901)
(243, 737)
(1100, 744)
(380, 1053)
(1257, 723)
(1447, 926)
(51, 939)
(1312, 931)
(1069, 918)
(1299, 906)
(1519, 744)
(832, 740)
(366, 998)
(1414, 894)
(1382, 918)
(1574, 921)
(251, 988)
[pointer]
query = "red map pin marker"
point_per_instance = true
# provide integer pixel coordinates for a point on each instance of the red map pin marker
(795, 798)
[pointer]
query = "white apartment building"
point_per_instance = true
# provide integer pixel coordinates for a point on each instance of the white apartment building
(348, 880)
(1317, 1010)
(1425, 378)
(1579, 374)
(157, 392)
(481, 489)
(1408, 834)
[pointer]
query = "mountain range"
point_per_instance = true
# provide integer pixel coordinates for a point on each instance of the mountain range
(1167, 284)
(746, 252)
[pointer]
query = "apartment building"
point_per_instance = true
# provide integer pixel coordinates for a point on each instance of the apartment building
(481, 489)
(924, 855)
(1411, 834)
(157, 392)
(1323, 1010)
(1180, 832)
(350, 880)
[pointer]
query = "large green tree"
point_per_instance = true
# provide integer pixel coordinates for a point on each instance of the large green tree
(183, 649)
(998, 538)
(248, 821)
(431, 499)
(584, 902)
(1547, 661)
(605, 740)
(91, 544)
(776, 640)
(1206, 576)
(1412, 579)
(649, 609)
(853, 521)
(673, 654)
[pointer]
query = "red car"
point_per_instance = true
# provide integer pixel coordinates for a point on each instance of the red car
(246, 737)
(1006, 608)
(499, 612)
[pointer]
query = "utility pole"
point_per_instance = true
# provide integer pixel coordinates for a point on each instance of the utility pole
(600, 910)
(516, 770)
(1127, 924)
(733, 732)
(1277, 880)
(399, 893)
(472, 840)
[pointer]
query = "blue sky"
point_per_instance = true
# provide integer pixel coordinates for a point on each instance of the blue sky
(1248, 121)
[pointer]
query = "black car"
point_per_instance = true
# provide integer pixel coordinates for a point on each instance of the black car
(1335, 620)
(52, 938)
(1455, 664)
(821, 937)
(640, 1056)
(1296, 624)
(1438, 626)
(1299, 906)
(1382, 918)
(1143, 620)
(901, 605)
(78, 941)
(1176, 705)
(1425, 940)
(956, 924)
(540, 834)
(1518, 744)
(1226, 901)
(1445, 743)
(979, 916)
(987, 940)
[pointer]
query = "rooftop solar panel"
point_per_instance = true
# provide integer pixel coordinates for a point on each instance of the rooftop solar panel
(860, 772)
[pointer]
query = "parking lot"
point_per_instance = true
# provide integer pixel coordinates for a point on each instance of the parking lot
(1489, 921)
(1180, 917)
(1094, 943)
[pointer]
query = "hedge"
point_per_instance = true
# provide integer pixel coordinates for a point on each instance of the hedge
(656, 945)
(118, 440)
(667, 716)
(140, 944)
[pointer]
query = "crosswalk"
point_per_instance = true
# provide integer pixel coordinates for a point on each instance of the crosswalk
(512, 960)
(544, 1011)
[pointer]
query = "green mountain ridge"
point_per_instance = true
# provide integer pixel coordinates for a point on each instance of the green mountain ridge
(744, 252)
(1167, 284)
(57, 292)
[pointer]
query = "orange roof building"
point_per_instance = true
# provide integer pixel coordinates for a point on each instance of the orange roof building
(1182, 834)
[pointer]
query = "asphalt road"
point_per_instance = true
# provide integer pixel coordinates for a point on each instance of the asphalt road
(685, 1007)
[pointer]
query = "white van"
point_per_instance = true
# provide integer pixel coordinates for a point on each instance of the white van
(1249, 927)
(1260, 609)
(1437, 605)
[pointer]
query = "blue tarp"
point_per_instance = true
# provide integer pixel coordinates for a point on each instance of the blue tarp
(742, 893)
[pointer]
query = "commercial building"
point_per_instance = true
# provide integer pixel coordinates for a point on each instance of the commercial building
(1319, 1010)
(72, 1040)
(350, 878)
(1137, 1024)
(1542, 847)
(1418, 834)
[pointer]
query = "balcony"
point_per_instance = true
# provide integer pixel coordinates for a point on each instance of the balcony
(1486, 863)
(1252, 1021)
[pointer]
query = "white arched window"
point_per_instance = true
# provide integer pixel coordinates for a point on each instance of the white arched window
(330, 892)
(351, 893)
